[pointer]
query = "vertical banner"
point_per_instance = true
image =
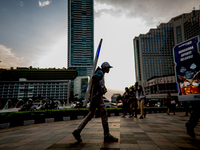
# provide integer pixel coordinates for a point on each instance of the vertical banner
(93, 70)
(187, 69)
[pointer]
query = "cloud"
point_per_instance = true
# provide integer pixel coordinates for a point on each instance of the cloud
(150, 11)
(43, 3)
(8, 58)
(21, 3)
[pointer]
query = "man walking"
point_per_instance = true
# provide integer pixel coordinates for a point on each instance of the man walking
(96, 101)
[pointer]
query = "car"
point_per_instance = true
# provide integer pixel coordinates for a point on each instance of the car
(79, 104)
(36, 106)
(106, 101)
(119, 105)
(73, 105)
(88, 105)
(158, 104)
(114, 105)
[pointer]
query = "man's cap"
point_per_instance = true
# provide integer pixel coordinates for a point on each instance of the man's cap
(105, 65)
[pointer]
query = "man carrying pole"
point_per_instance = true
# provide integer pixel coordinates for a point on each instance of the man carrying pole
(98, 89)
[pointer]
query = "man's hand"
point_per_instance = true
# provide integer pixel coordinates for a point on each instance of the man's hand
(104, 90)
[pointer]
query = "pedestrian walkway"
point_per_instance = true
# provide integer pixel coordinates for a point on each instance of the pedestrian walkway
(158, 131)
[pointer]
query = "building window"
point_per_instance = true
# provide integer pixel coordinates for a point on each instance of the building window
(178, 34)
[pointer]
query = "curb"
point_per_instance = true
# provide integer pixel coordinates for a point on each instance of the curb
(68, 118)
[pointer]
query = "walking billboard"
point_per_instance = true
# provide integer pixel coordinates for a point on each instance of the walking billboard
(187, 69)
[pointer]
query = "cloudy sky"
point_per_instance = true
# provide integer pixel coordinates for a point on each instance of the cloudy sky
(34, 32)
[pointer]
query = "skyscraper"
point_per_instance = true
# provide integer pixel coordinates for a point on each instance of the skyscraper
(153, 52)
(80, 36)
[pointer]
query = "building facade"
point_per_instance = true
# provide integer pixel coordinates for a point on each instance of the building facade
(186, 26)
(156, 88)
(25, 83)
(25, 89)
(154, 53)
(80, 86)
(192, 25)
(81, 36)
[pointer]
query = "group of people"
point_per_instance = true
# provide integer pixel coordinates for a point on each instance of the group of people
(130, 99)
(135, 97)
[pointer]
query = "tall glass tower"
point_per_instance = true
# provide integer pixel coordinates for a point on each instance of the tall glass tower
(80, 36)
(153, 52)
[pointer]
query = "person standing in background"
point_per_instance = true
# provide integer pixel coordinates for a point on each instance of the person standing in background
(168, 102)
(171, 104)
(133, 102)
(125, 100)
(140, 96)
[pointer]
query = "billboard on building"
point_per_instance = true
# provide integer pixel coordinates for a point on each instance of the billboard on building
(187, 69)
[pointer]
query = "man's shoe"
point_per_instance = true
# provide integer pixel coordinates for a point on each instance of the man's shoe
(135, 116)
(144, 115)
(141, 117)
(123, 116)
(110, 138)
(190, 130)
(77, 135)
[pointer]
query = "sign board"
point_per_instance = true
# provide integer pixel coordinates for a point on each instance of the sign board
(187, 69)
(93, 71)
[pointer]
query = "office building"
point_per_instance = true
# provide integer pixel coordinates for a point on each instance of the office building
(153, 52)
(80, 36)
(186, 26)
(192, 24)
(25, 89)
(25, 83)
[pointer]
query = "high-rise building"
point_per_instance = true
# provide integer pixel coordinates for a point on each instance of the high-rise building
(154, 65)
(186, 26)
(192, 25)
(153, 52)
(80, 36)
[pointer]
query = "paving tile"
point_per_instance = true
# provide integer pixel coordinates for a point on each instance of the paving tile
(129, 146)
(148, 147)
(67, 146)
(106, 145)
(156, 131)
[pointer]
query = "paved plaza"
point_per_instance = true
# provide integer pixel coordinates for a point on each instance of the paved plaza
(158, 131)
